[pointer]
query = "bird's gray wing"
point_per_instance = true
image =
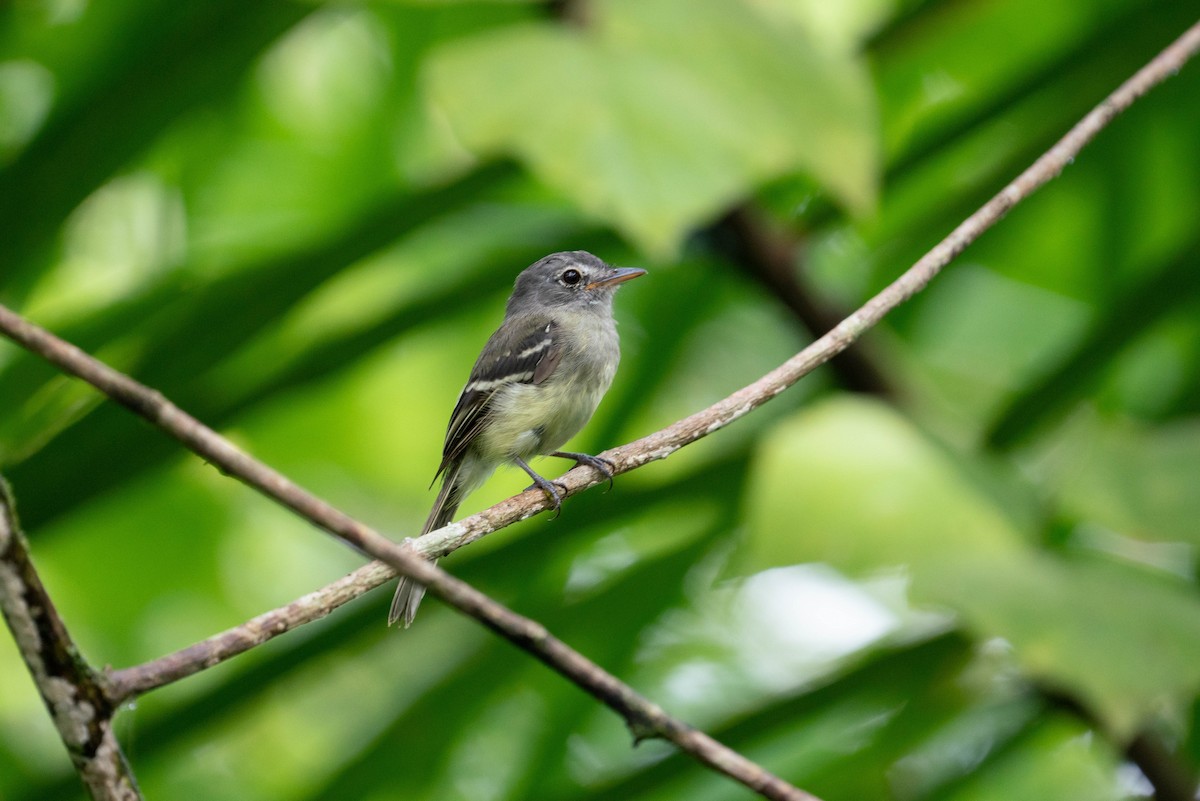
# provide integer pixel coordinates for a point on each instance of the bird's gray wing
(522, 351)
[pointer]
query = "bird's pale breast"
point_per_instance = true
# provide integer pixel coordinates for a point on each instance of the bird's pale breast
(534, 419)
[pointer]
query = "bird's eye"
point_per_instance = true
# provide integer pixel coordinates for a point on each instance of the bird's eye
(571, 277)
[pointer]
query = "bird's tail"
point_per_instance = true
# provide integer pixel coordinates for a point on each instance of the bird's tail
(409, 593)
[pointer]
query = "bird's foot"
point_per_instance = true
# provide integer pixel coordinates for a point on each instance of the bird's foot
(545, 485)
(598, 463)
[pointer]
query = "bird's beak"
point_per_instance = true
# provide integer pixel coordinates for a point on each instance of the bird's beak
(617, 276)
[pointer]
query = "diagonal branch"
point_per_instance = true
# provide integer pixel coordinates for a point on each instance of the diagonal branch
(643, 717)
(72, 693)
(214, 650)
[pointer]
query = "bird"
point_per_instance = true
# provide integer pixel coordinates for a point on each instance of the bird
(536, 383)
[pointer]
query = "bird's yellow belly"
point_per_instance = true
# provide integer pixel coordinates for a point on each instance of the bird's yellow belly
(532, 420)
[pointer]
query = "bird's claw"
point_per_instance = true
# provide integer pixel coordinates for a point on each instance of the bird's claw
(598, 463)
(551, 489)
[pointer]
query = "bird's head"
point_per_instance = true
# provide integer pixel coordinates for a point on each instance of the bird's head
(571, 279)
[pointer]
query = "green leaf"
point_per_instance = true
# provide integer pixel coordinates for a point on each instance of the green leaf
(637, 122)
(853, 484)
(1058, 760)
(1130, 478)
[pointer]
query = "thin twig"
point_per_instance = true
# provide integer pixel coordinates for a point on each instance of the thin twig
(257, 630)
(643, 717)
(72, 693)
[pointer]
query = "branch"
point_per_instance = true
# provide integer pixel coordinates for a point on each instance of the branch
(644, 718)
(1169, 774)
(214, 650)
(72, 693)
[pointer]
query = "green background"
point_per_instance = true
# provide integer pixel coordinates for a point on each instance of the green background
(962, 566)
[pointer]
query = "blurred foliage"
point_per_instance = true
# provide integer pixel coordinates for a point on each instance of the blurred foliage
(300, 221)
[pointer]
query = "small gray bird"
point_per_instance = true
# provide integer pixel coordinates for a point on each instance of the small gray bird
(536, 383)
